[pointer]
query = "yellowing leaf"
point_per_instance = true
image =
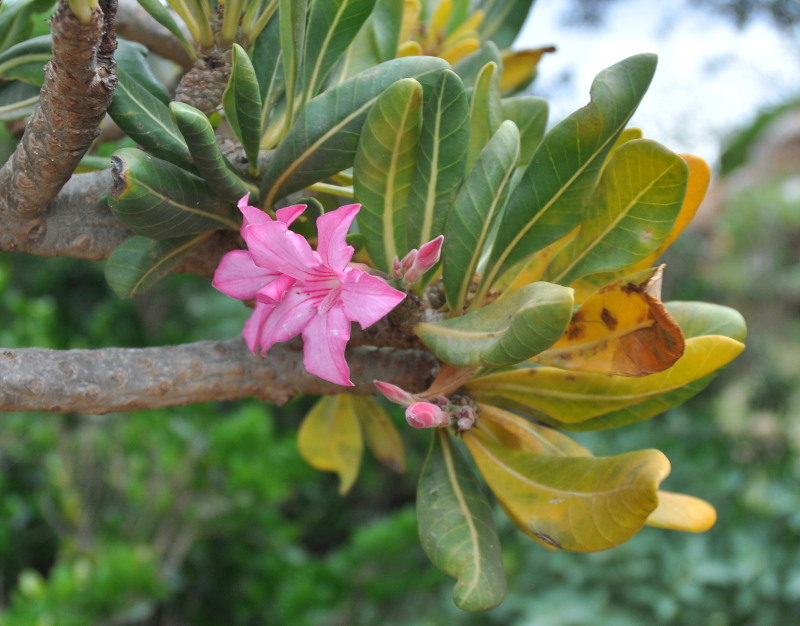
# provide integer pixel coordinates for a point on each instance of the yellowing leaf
(438, 24)
(409, 49)
(411, 11)
(582, 504)
(513, 431)
(519, 67)
(697, 184)
(459, 50)
(561, 397)
(676, 511)
(533, 269)
(623, 330)
(381, 435)
(330, 439)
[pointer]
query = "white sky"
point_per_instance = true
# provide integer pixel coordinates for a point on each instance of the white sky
(711, 77)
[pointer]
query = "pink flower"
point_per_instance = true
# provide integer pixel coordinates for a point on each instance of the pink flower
(417, 262)
(299, 291)
(395, 394)
(426, 415)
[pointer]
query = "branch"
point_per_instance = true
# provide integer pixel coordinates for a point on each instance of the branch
(126, 379)
(78, 85)
(136, 24)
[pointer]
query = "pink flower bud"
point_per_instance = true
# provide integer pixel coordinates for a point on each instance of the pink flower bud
(408, 260)
(426, 415)
(425, 259)
(393, 393)
(397, 269)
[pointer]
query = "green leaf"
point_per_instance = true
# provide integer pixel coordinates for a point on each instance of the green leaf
(566, 398)
(529, 113)
(485, 111)
(17, 99)
(159, 200)
(456, 528)
(26, 60)
(469, 68)
(148, 121)
(206, 155)
(383, 167)
(631, 212)
(330, 439)
(550, 198)
(503, 21)
(704, 318)
(505, 332)
(582, 504)
(332, 26)
(441, 160)
(139, 263)
(292, 19)
(160, 14)
(132, 59)
(324, 137)
(266, 56)
(242, 103)
(376, 42)
(16, 20)
(475, 209)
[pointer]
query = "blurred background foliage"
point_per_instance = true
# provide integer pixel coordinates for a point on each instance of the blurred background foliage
(207, 515)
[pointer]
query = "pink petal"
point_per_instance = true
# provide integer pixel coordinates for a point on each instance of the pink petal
(239, 277)
(288, 319)
(367, 298)
(275, 290)
(275, 247)
(254, 326)
(289, 214)
(332, 228)
(250, 214)
(324, 341)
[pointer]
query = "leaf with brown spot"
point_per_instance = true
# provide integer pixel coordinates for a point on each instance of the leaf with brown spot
(623, 330)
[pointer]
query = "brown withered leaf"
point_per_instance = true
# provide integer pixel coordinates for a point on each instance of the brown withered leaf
(623, 330)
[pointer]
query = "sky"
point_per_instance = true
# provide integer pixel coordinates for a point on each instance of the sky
(712, 77)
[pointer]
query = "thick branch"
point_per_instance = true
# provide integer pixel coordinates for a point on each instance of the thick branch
(78, 85)
(124, 379)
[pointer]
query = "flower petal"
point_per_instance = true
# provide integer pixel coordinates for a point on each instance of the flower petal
(367, 298)
(275, 290)
(332, 229)
(250, 214)
(324, 341)
(275, 247)
(288, 319)
(254, 326)
(239, 277)
(289, 214)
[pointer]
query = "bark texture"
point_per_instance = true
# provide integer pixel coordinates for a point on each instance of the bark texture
(78, 85)
(126, 379)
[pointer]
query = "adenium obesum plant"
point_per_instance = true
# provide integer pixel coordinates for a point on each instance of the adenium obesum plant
(302, 291)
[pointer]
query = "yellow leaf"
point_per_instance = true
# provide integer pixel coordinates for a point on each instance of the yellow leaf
(467, 28)
(380, 433)
(513, 431)
(460, 50)
(676, 511)
(557, 396)
(583, 504)
(409, 49)
(533, 269)
(623, 330)
(696, 186)
(437, 25)
(330, 439)
(519, 67)
(411, 11)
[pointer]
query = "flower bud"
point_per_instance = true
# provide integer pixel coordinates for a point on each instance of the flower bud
(425, 259)
(393, 393)
(426, 415)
